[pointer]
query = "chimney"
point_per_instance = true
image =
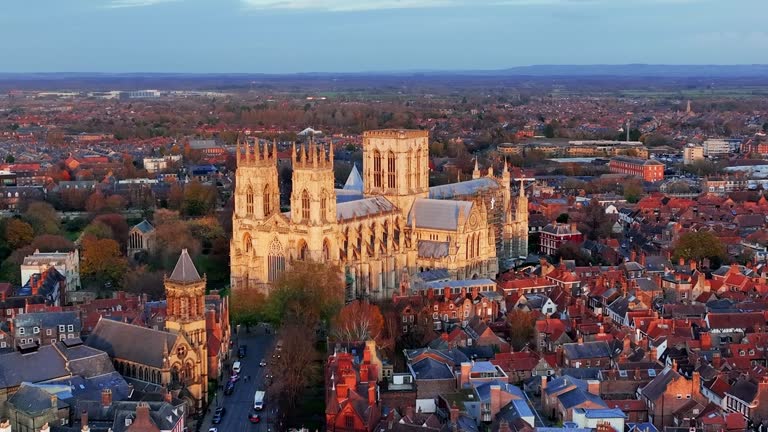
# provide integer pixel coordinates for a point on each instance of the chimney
(447, 293)
(696, 381)
(44, 428)
(464, 374)
(475, 292)
(495, 399)
(627, 344)
(341, 391)
(593, 386)
(106, 398)
(371, 393)
(543, 383)
(633, 255)
(84, 421)
(653, 355)
(573, 228)
(692, 264)
(142, 414)
(642, 259)
(54, 402)
(454, 414)
(167, 395)
(716, 360)
(364, 372)
(706, 340)
(681, 261)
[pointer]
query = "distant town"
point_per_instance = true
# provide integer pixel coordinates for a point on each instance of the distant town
(373, 254)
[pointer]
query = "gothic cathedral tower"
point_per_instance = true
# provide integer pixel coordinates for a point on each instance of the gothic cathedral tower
(396, 165)
(313, 203)
(519, 233)
(185, 293)
(257, 199)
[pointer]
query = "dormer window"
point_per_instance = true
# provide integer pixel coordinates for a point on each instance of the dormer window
(36, 330)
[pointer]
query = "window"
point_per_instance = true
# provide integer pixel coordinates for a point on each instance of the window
(36, 330)
(405, 329)
(305, 206)
(62, 336)
(70, 327)
(48, 332)
(2, 345)
(405, 318)
(323, 205)
(249, 201)
(349, 421)
(376, 169)
(679, 396)
(21, 330)
(266, 201)
(391, 170)
(8, 312)
(53, 341)
(61, 329)
(410, 318)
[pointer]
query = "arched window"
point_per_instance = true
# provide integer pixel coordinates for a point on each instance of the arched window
(247, 244)
(275, 261)
(249, 201)
(267, 200)
(303, 251)
(467, 253)
(305, 206)
(396, 234)
(391, 170)
(409, 174)
(418, 169)
(323, 205)
(376, 169)
(477, 245)
(326, 251)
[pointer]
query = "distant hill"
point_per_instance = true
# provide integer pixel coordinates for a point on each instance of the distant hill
(638, 70)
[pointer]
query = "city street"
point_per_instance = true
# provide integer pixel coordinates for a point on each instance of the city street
(239, 404)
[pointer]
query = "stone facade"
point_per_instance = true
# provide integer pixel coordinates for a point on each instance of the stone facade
(398, 226)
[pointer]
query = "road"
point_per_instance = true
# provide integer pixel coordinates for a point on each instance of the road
(239, 404)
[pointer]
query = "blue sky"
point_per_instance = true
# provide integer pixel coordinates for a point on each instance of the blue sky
(280, 36)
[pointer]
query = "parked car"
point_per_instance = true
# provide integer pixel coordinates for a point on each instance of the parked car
(213, 430)
(254, 418)
(229, 388)
(263, 363)
(234, 378)
(217, 415)
(241, 351)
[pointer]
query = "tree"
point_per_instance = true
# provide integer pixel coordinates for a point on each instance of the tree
(170, 238)
(310, 292)
(562, 218)
(42, 217)
(52, 243)
(114, 203)
(98, 230)
(142, 280)
(175, 196)
(118, 225)
(549, 131)
(697, 245)
(199, 199)
(10, 159)
(102, 261)
(298, 364)
(633, 190)
(521, 328)
(357, 322)
(95, 202)
(596, 223)
(18, 233)
(572, 251)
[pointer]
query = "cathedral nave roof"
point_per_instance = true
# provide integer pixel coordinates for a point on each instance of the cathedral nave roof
(362, 208)
(439, 214)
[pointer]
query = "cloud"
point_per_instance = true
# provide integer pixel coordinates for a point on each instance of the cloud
(367, 5)
(120, 4)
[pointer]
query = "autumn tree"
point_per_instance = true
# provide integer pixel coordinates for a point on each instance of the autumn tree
(595, 224)
(199, 199)
(521, 328)
(98, 230)
(42, 217)
(18, 233)
(310, 292)
(95, 202)
(52, 243)
(171, 237)
(633, 190)
(102, 261)
(298, 364)
(698, 245)
(358, 321)
(142, 280)
(117, 224)
(175, 196)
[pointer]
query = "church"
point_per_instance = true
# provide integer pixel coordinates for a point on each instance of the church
(386, 224)
(174, 359)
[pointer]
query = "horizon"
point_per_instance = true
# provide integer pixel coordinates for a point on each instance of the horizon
(344, 36)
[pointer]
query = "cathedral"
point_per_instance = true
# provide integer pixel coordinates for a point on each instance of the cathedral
(383, 225)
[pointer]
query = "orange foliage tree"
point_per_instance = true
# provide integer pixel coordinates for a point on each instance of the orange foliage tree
(358, 321)
(102, 260)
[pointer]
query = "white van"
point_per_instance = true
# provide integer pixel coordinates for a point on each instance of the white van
(236, 367)
(258, 400)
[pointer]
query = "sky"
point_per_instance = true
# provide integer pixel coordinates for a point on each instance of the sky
(288, 36)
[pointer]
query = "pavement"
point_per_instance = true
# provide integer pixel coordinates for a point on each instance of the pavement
(239, 404)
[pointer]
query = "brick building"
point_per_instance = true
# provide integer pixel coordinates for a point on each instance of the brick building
(646, 169)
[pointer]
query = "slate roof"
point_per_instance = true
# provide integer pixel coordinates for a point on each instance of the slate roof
(47, 319)
(41, 365)
(438, 214)
(363, 207)
(185, 270)
(343, 196)
(432, 249)
(144, 226)
(32, 400)
(465, 188)
(354, 180)
(658, 385)
(586, 350)
(577, 397)
(430, 369)
(119, 340)
(744, 390)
